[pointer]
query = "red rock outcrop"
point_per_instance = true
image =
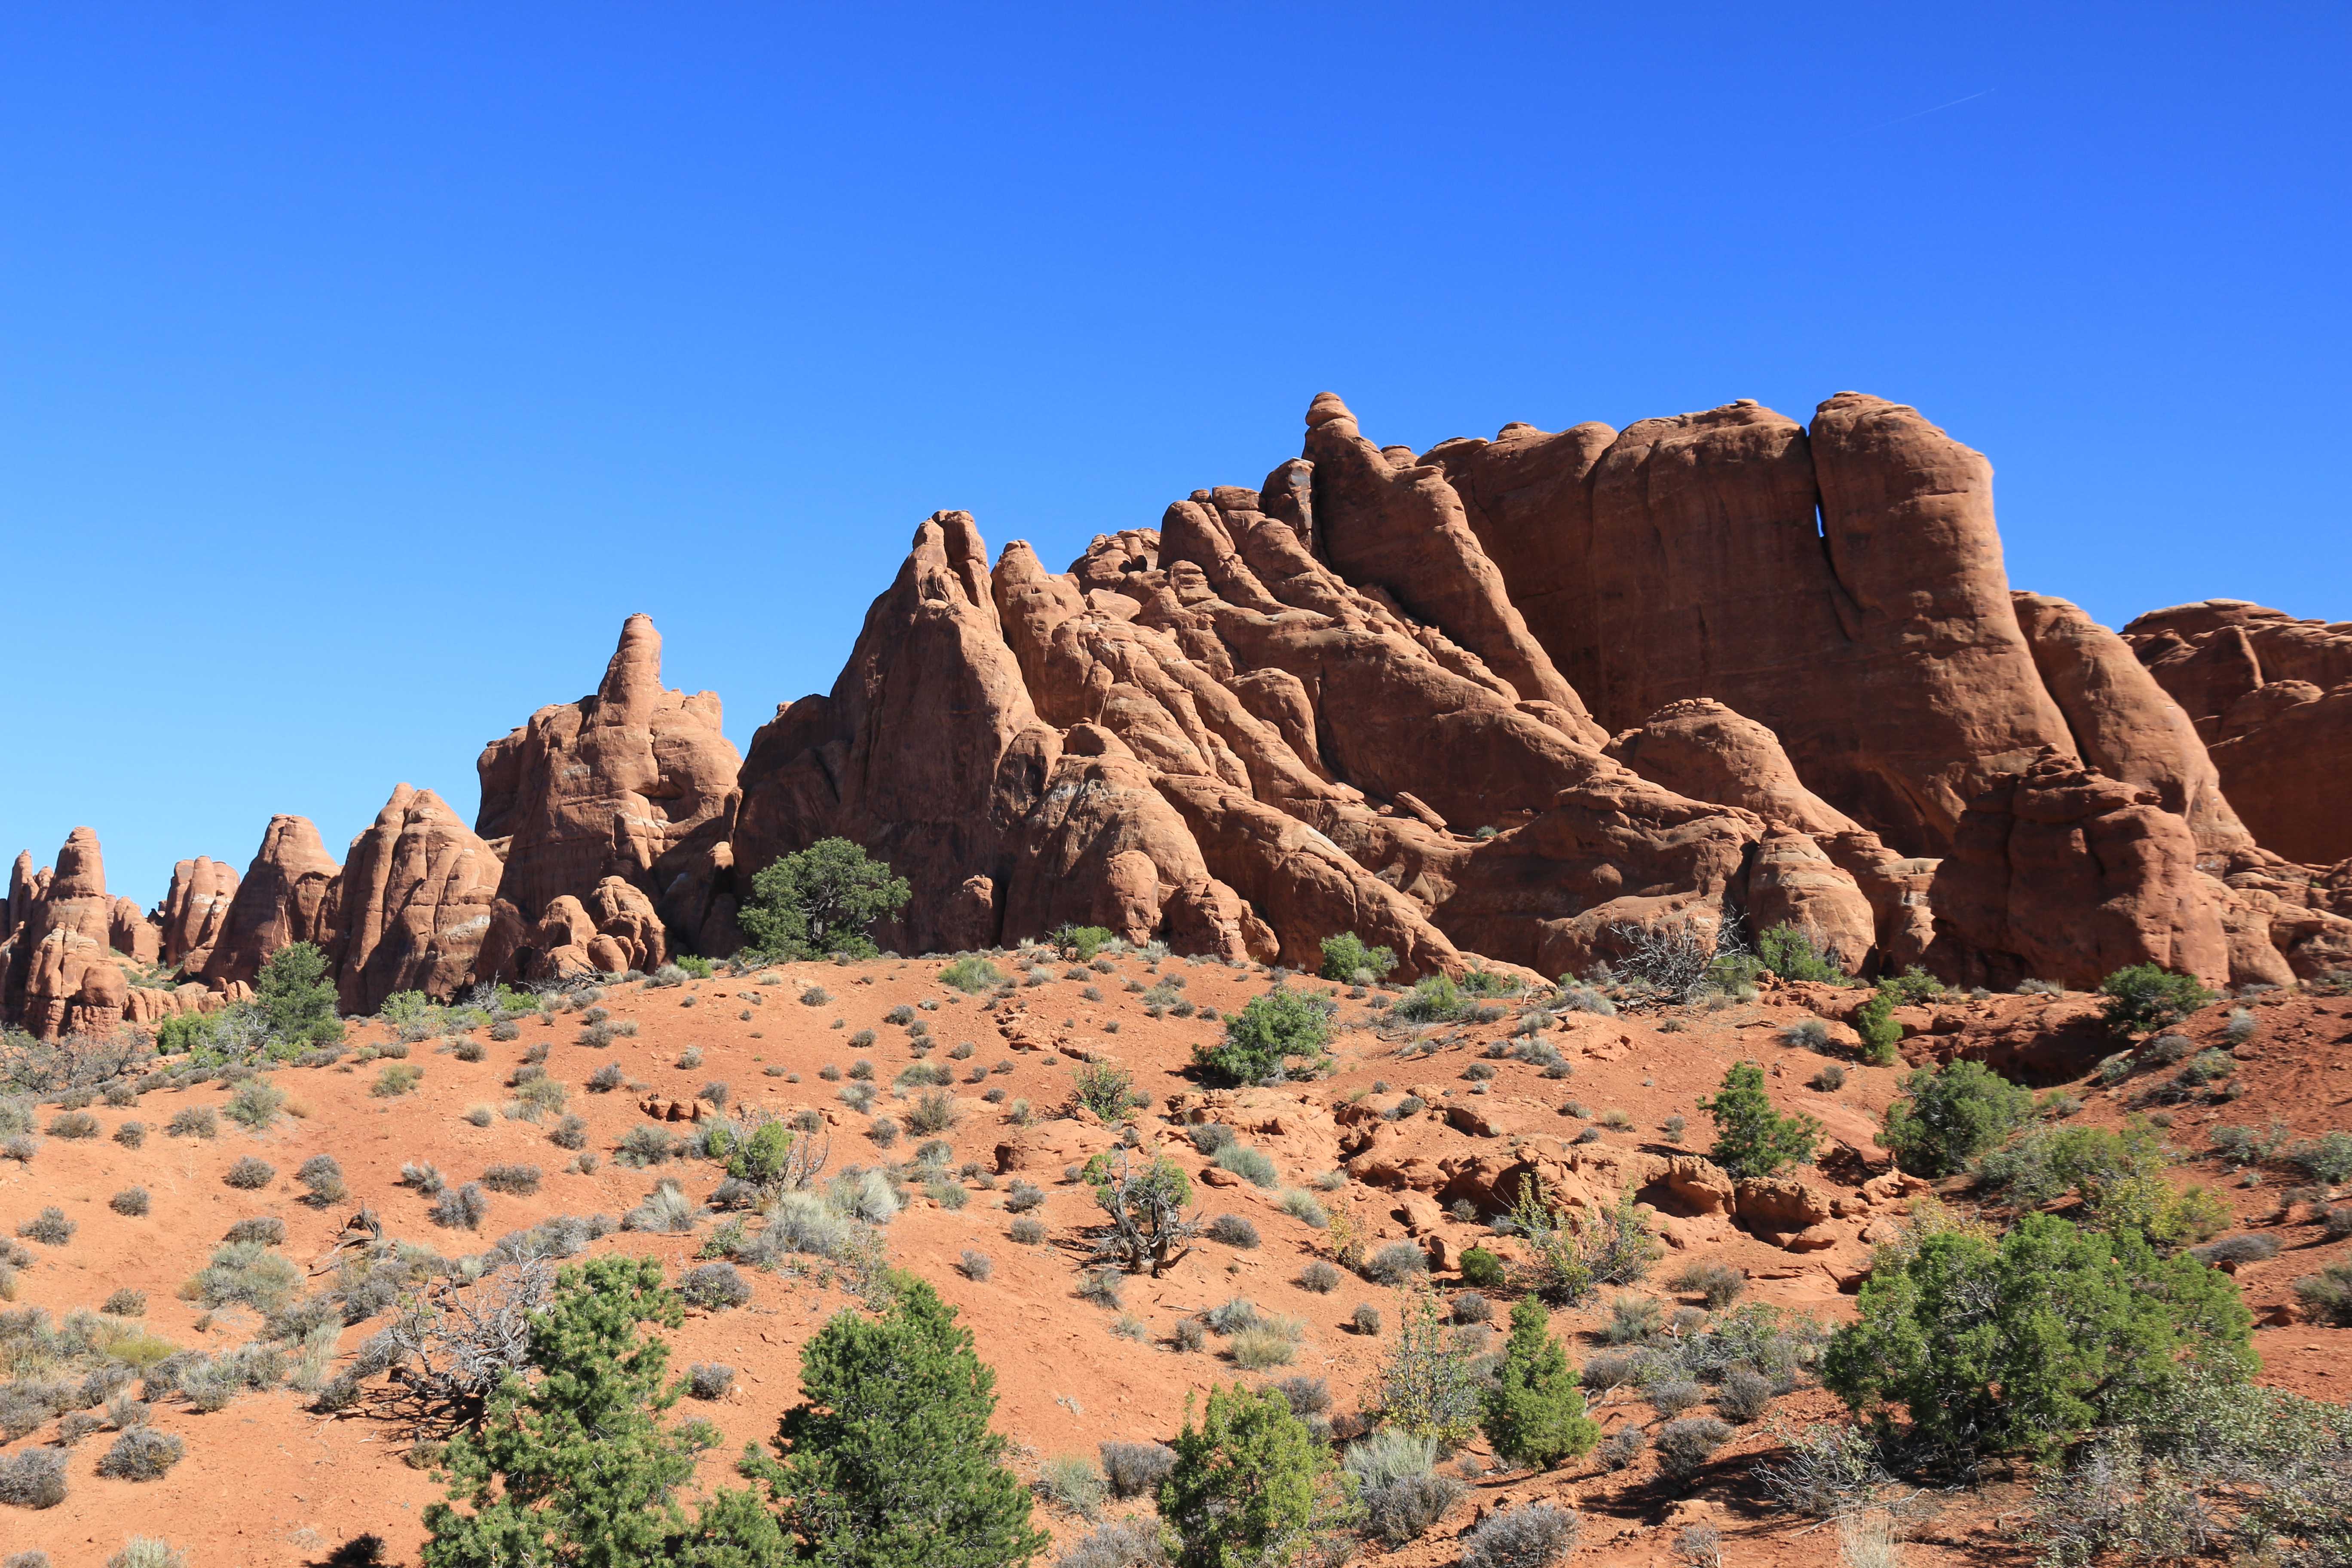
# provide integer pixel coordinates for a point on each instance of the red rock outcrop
(285, 897)
(414, 902)
(2272, 697)
(2123, 723)
(57, 963)
(2062, 873)
(194, 910)
(1377, 694)
(637, 781)
(1840, 586)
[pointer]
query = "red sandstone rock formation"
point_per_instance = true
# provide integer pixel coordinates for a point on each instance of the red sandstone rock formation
(2272, 697)
(1369, 696)
(57, 963)
(414, 902)
(1842, 586)
(195, 908)
(285, 898)
(2061, 873)
(636, 781)
(2123, 723)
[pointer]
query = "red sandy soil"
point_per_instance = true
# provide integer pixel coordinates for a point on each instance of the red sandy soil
(267, 1483)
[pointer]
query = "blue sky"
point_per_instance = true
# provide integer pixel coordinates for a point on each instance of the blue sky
(361, 368)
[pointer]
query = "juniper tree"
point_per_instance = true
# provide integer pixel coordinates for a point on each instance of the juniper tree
(888, 1461)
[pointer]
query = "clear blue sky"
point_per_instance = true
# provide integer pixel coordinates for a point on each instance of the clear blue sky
(362, 367)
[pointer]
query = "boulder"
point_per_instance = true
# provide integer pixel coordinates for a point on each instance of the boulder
(1782, 1204)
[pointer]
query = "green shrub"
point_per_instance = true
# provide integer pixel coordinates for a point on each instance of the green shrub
(1535, 1413)
(1348, 960)
(1272, 1030)
(2120, 1175)
(889, 1460)
(2023, 1345)
(1251, 1485)
(971, 972)
(296, 995)
(1790, 952)
(1433, 999)
(1106, 1089)
(1752, 1138)
(1428, 1386)
(575, 1466)
(819, 900)
(1087, 939)
(1481, 1270)
(1952, 1114)
(1881, 1036)
(255, 1104)
(2146, 998)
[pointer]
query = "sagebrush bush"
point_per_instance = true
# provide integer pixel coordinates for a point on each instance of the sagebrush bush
(250, 1173)
(1621, 1448)
(1718, 1284)
(399, 1079)
(1536, 1536)
(323, 1177)
(1135, 1469)
(2327, 1295)
(1398, 1263)
(34, 1478)
(193, 1121)
(74, 1124)
(255, 1104)
(1366, 1319)
(1233, 1231)
(142, 1454)
(517, 1180)
(132, 1134)
(461, 1208)
(1745, 1394)
(1318, 1277)
(1685, 1445)
(1069, 1481)
(1027, 1232)
(125, 1302)
(1119, 1543)
(710, 1380)
(130, 1202)
(265, 1230)
(1256, 1350)
(714, 1286)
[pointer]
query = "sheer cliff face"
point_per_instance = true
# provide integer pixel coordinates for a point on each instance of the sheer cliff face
(1842, 586)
